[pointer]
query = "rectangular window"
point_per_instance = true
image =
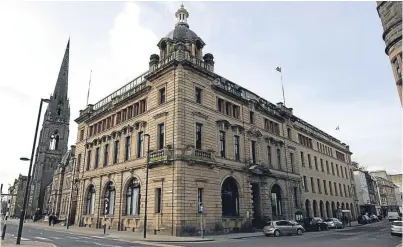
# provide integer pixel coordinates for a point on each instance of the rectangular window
(236, 148)
(228, 108)
(304, 183)
(116, 152)
(321, 165)
(341, 171)
(302, 159)
(296, 197)
(106, 154)
(335, 188)
(341, 192)
(332, 168)
(345, 172)
(198, 95)
(316, 163)
(91, 130)
(220, 103)
(158, 200)
(254, 152)
(108, 123)
(309, 161)
(88, 160)
(292, 161)
(81, 134)
(129, 112)
(162, 95)
(345, 191)
(279, 158)
(127, 148)
(96, 158)
(199, 199)
(266, 124)
(161, 134)
(124, 114)
(324, 187)
(143, 106)
(222, 144)
(136, 109)
(349, 191)
(118, 115)
(397, 68)
(319, 187)
(312, 185)
(330, 188)
(327, 167)
(251, 117)
(235, 111)
(198, 136)
(289, 133)
(140, 137)
(337, 170)
(269, 156)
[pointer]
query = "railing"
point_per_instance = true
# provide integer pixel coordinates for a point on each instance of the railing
(203, 154)
(157, 154)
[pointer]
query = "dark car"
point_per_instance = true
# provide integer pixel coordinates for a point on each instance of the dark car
(314, 224)
(363, 219)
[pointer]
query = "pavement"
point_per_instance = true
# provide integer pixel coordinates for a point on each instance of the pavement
(372, 235)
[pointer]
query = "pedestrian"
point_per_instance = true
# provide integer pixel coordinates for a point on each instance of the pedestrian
(54, 220)
(50, 219)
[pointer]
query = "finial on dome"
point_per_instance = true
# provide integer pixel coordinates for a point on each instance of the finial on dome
(181, 15)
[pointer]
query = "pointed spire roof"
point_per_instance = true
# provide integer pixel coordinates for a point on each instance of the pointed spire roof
(62, 80)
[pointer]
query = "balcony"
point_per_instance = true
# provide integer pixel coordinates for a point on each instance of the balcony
(193, 156)
(162, 156)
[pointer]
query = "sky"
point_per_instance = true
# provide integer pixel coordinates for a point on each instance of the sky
(335, 70)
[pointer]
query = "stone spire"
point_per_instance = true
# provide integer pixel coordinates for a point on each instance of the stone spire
(63, 78)
(181, 15)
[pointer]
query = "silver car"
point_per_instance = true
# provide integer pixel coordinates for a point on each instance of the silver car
(334, 223)
(396, 228)
(282, 227)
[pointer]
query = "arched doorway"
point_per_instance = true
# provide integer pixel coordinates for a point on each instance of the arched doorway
(322, 209)
(333, 210)
(133, 197)
(328, 214)
(276, 201)
(90, 200)
(347, 206)
(342, 205)
(308, 208)
(230, 197)
(338, 205)
(315, 208)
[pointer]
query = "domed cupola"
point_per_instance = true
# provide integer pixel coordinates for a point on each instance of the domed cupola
(183, 35)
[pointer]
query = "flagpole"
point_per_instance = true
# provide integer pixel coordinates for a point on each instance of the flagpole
(282, 85)
(89, 86)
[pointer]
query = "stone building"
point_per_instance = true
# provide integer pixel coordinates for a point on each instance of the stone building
(212, 144)
(61, 190)
(367, 192)
(17, 195)
(53, 139)
(390, 13)
(386, 191)
(397, 180)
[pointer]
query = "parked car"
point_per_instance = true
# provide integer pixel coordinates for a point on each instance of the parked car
(363, 219)
(392, 216)
(334, 223)
(282, 227)
(396, 228)
(314, 224)
(380, 217)
(374, 218)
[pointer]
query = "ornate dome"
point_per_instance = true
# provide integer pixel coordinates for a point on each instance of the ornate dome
(182, 32)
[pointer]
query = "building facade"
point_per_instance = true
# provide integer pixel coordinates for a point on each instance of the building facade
(387, 191)
(367, 192)
(397, 180)
(390, 13)
(215, 148)
(53, 139)
(62, 189)
(17, 195)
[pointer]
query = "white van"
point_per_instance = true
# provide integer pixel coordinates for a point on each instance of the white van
(393, 216)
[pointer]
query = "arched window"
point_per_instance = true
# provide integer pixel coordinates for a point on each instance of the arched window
(58, 111)
(315, 208)
(54, 141)
(230, 198)
(328, 215)
(109, 200)
(322, 209)
(333, 209)
(276, 200)
(90, 204)
(308, 208)
(133, 197)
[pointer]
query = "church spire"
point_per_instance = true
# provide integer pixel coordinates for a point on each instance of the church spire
(63, 78)
(181, 15)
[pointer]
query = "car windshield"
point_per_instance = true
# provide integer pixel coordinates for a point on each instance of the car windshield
(397, 223)
(268, 223)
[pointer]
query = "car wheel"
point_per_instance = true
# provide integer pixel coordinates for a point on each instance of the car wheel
(299, 232)
(276, 233)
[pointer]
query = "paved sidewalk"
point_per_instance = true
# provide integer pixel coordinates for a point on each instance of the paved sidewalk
(9, 241)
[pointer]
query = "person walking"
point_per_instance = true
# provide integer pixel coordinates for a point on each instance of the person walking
(50, 219)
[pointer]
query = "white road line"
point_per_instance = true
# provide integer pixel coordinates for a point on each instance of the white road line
(56, 238)
(45, 239)
(23, 239)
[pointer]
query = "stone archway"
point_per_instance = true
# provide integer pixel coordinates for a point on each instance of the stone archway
(308, 208)
(276, 201)
(322, 209)
(230, 197)
(315, 208)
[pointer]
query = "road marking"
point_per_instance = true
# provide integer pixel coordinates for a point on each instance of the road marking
(45, 239)
(23, 239)
(156, 244)
(56, 237)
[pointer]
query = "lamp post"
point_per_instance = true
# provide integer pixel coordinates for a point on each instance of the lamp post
(71, 192)
(145, 203)
(22, 216)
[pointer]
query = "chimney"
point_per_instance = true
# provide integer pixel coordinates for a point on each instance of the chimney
(154, 59)
(209, 60)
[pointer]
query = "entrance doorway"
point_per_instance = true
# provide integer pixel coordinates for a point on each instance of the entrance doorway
(257, 221)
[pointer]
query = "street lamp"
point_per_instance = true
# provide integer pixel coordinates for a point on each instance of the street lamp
(145, 204)
(22, 216)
